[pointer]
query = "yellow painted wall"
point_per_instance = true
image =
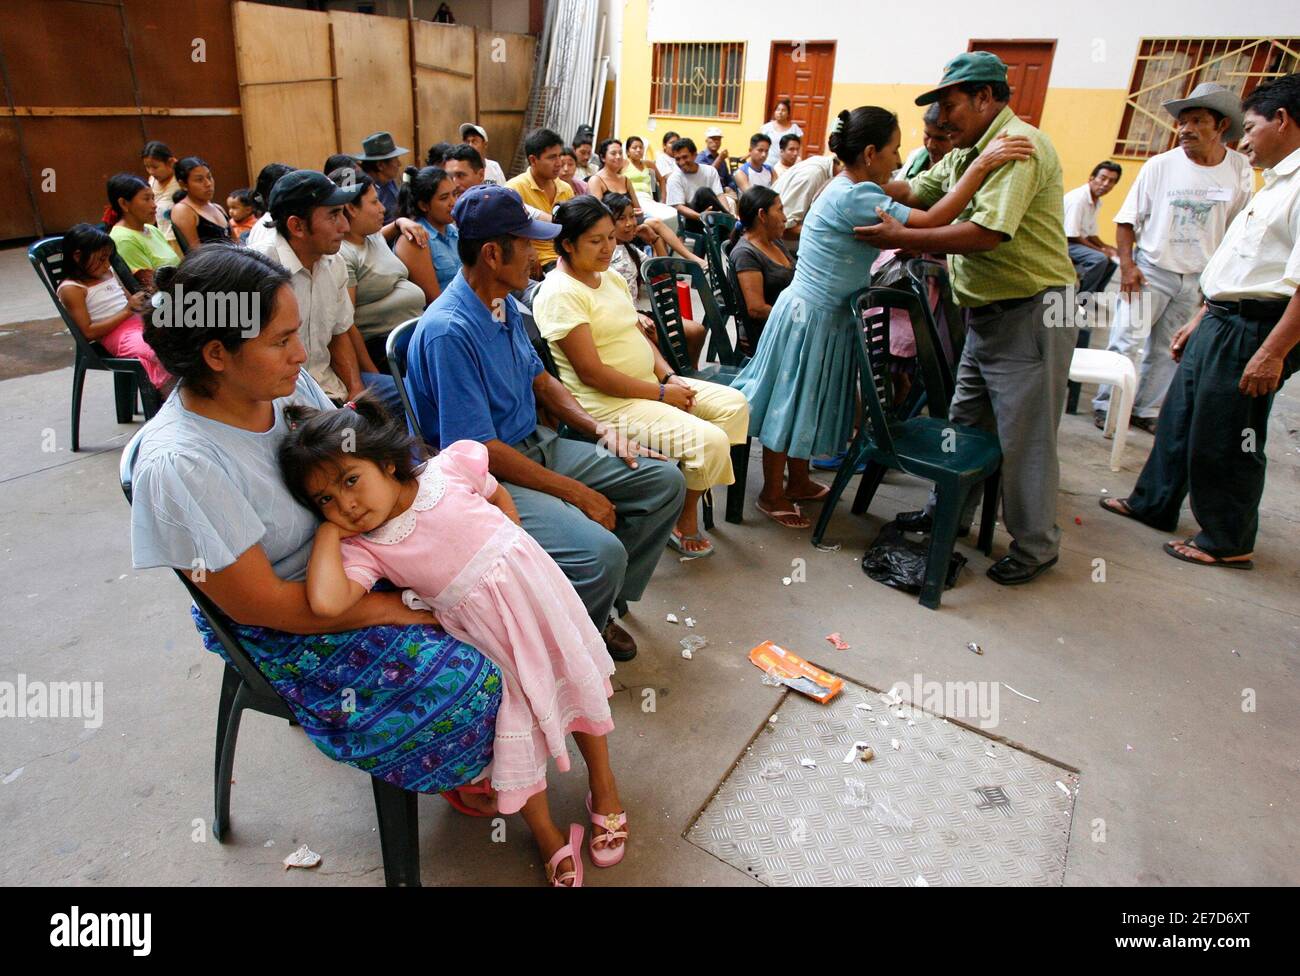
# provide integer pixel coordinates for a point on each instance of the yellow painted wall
(1081, 122)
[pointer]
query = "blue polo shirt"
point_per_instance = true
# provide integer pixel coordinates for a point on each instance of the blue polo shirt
(444, 251)
(469, 376)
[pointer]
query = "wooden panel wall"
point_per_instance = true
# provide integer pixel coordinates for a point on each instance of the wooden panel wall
(89, 83)
(505, 74)
(286, 85)
(444, 71)
(371, 58)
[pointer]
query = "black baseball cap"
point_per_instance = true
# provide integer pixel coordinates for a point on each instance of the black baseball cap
(298, 192)
(488, 210)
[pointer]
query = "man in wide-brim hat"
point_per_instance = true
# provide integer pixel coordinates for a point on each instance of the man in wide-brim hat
(1173, 218)
(381, 160)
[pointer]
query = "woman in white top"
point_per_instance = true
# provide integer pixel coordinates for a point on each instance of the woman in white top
(780, 123)
(610, 179)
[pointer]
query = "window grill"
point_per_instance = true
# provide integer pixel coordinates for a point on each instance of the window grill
(1168, 68)
(697, 80)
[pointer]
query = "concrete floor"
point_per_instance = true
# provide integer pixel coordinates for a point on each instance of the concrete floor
(1137, 680)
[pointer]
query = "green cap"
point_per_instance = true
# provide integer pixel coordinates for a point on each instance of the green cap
(971, 66)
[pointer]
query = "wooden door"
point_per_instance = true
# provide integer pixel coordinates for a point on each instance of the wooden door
(1029, 66)
(802, 71)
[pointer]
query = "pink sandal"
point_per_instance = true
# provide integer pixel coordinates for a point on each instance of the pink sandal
(612, 827)
(571, 849)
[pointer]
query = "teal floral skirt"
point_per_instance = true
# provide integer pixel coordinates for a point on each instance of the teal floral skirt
(410, 705)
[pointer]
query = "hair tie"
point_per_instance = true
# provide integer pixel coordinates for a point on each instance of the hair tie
(157, 299)
(839, 124)
(351, 405)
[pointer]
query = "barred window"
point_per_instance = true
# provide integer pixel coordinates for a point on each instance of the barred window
(1168, 68)
(697, 80)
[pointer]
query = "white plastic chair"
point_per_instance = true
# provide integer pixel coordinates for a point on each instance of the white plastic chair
(1103, 366)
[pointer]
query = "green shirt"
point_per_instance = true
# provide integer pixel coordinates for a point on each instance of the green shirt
(149, 250)
(1022, 201)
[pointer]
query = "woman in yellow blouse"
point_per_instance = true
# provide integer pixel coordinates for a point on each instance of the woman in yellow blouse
(585, 311)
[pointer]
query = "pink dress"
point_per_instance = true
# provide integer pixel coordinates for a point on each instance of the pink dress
(492, 586)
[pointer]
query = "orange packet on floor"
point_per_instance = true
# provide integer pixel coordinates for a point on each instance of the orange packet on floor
(794, 672)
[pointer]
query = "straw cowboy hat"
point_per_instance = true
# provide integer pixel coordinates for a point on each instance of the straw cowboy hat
(1216, 98)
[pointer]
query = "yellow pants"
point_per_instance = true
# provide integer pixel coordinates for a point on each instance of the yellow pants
(700, 439)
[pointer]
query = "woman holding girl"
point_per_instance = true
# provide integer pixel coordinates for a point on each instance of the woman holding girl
(800, 383)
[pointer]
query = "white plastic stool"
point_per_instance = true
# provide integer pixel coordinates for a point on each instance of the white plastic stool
(1103, 366)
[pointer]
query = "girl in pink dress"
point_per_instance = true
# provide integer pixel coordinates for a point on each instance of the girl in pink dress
(100, 306)
(448, 533)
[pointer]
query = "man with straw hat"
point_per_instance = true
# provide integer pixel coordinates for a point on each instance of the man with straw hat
(1173, 218)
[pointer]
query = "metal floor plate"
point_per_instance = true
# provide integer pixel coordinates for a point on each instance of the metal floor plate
(948, 807)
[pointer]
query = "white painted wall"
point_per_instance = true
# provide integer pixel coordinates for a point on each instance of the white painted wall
(1096, 43)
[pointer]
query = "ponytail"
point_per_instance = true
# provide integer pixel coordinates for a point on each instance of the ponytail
(122, 186)
(419, 186)
(854, 131)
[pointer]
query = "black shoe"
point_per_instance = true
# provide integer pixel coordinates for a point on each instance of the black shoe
(1099, 419)
(1010, 571)
(1147, 424)
(922, 522)
(618, 642)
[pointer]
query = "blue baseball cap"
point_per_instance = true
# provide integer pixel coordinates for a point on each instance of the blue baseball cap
(488, 210)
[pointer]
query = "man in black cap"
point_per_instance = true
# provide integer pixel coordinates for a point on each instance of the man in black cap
(310, 223)
(603, 511)
(1010, 268)
(381, 160)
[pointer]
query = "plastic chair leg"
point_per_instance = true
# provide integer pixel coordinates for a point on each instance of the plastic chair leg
(841, 482)
(942, 539)
(1126, 392)
(871, 479)
(399, 835)
(78, 383)
(989, 511)
(736, 492)
(124, 395)
(230, 707)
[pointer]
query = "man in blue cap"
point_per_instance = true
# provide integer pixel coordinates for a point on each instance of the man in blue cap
(603, 511)
(1010, 268)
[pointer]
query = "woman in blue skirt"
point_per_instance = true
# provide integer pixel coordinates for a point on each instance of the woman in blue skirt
(382, 689)
(800, 383)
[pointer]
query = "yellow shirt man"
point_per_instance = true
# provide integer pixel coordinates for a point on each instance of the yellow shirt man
(534, 196)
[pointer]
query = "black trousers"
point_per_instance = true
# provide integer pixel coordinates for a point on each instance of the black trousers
(1210, 438)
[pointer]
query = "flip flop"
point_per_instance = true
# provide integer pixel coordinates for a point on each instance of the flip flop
(1213, 560)
(819, 497)
(1126, 512)
(452, 796)
(677, 542)
(777, 514)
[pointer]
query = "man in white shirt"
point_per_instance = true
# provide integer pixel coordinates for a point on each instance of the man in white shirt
(1093, 259)
(477, 137)
(799, 186)
(693, 187)
(1233, 356)
(307, 208)
(1173, 218)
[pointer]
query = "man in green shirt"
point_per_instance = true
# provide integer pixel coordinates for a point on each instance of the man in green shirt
(1010, 267)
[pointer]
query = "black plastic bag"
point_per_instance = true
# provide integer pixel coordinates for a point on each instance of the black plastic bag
(897, 561)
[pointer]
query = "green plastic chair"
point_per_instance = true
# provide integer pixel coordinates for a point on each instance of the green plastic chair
(660, 276)
(954, 457)
(129, 377)
(921, 272)
(719, 227)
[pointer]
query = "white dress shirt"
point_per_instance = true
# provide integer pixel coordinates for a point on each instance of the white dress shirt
(1260, 254)
(324, 308)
